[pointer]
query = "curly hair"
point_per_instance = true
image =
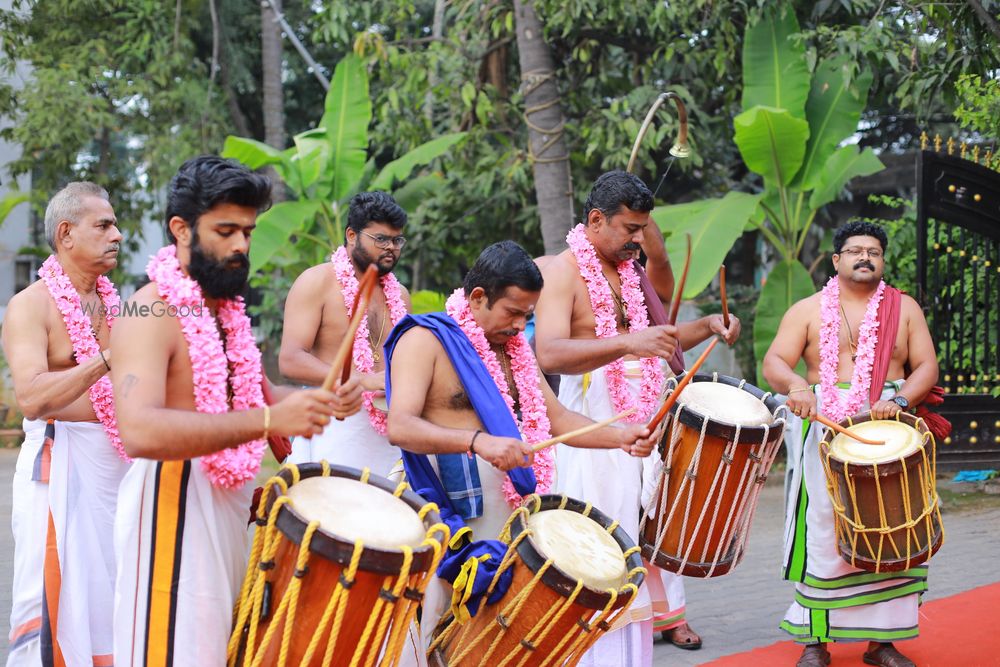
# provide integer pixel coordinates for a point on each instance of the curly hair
(858, 228)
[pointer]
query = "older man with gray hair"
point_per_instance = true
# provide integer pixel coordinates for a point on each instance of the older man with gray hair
(55, 338)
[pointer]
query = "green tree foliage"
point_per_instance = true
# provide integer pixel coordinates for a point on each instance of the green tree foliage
(114, 94)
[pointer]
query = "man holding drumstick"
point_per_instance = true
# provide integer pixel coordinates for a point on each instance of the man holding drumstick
(189, 395)
(857, 337)
(317, 312)
(596, 328)
(468, 401)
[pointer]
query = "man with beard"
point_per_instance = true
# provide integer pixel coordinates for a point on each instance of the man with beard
(858, 336)
(468, 401)
(317, 312)
(188, 387)
(55, 337)
(596, 327)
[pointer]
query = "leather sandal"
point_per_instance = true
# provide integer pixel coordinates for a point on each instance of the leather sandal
(886, 655)
(814, 655)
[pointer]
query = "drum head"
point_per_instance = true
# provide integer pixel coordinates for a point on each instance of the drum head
(380, 404)
(351, 510)
(725, 403)
(580, 547)
(901, 440)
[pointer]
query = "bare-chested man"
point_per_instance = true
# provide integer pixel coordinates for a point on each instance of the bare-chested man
(602, 374)
(66, 490)
(191, 411)
(450, 374)
(316, 319)
(833, 600)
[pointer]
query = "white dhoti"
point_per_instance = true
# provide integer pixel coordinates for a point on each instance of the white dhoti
(80, 558)
(182, 546)
(29, 520)
(611, 481)
(352, 442)
(834, 601)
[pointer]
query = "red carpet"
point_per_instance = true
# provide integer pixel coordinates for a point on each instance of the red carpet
(957, 631)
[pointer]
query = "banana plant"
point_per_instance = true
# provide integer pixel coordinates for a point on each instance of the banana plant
(326, 166)
(794, 132)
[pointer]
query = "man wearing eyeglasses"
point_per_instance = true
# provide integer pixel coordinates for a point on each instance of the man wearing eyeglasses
(317, 312)
(858, 337)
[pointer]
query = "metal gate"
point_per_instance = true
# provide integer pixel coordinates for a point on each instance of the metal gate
(958, 269)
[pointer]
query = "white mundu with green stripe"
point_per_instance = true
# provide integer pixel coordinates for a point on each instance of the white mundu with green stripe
(182, 547)
(834, 601)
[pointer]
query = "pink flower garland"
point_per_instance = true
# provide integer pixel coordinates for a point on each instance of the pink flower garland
(534, 422)
(362, 351)
(606, 326)
(233, 467)
(85, 344)
(833, 406)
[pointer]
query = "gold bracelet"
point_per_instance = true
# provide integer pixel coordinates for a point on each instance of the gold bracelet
(267, 421)
(792, 391)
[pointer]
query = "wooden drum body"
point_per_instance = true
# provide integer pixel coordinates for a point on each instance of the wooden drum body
(718, 446)
(885, 502)
(574, 573)
(339, 564)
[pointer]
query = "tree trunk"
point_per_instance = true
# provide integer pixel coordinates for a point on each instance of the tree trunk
(544, 117)
(273, 103)
(437, 31)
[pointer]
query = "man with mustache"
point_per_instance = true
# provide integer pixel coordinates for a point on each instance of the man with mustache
(858, 337)
(189, 391)
(317, 312)
(468, 401)
(55, 337)
(600, 325)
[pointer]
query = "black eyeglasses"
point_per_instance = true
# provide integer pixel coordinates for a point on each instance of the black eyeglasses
(382, 241)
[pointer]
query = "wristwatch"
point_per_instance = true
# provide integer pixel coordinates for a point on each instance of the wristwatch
(900, 401)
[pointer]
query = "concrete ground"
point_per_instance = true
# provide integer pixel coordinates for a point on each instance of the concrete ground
(734, 613)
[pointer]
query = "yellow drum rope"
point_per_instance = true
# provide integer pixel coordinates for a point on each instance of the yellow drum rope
(394, 607)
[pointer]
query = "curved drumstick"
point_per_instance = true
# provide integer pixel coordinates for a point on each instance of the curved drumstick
(581, 431)
(340, 366)
(843, 431)
(676, 306)
(669, 403)
(722, 292)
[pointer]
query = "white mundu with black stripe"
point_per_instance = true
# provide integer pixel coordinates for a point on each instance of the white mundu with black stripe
(182, 547)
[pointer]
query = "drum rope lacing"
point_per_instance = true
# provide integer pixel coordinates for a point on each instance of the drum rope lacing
(507, 615)
(740, 515)
(926, 476)
(392, 605)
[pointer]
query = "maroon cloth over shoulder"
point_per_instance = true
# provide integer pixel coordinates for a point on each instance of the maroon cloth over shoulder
(657, 314)
(888, 317)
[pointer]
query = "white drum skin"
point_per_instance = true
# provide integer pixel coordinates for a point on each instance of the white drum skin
(353, 511)
(900, 439)
(580, 547)
(724, 403)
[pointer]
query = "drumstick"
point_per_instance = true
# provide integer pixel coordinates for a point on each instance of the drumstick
(722, 291)
(829, 423)
(580, 431)
(365, 287)
(676, 306)
(669, 403)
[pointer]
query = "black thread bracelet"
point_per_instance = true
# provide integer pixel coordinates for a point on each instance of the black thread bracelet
(472, 443)
(106, 365)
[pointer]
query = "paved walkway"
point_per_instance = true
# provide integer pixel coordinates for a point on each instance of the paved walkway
(733, 613)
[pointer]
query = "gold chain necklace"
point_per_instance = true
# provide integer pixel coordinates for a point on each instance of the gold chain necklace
(850, 338)
(376, 355)
(619, 303)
